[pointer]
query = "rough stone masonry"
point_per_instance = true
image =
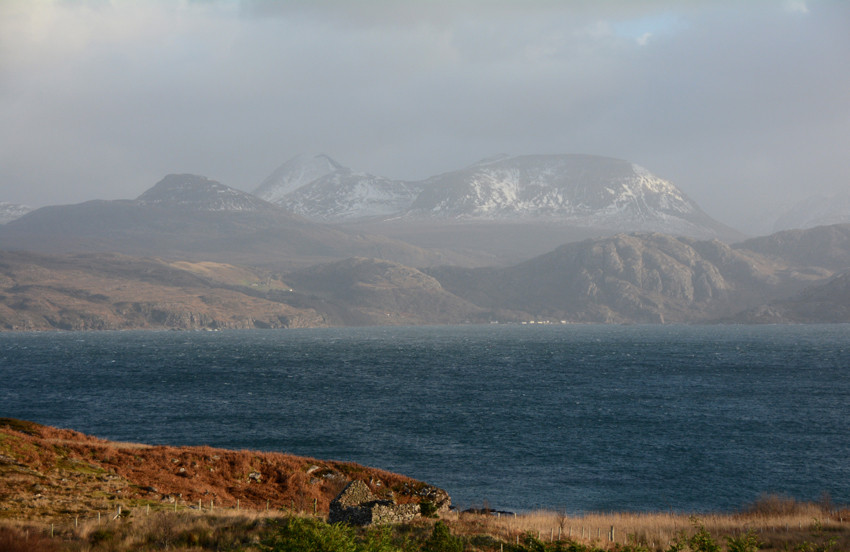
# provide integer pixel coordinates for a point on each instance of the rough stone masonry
(357, 505)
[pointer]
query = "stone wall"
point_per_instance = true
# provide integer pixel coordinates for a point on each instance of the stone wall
(357, 505)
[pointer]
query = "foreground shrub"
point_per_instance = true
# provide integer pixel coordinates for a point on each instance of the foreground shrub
(702, 541)
(299, 534)
(309, 534)
(442, 540)
(745, 542)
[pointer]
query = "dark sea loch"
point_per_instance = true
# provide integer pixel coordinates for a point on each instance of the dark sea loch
(585, 418)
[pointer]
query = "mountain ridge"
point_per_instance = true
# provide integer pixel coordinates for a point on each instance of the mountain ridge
(193, 217)
(626, 278)
(581, 190)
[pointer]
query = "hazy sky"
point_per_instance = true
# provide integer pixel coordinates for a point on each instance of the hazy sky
(744, 105)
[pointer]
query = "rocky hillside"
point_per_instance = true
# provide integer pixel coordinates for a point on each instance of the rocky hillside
(631, 278)
(823, 246)
(361, 291)
(112, 292)
(49, 472)
(827, 303)
(626, 278)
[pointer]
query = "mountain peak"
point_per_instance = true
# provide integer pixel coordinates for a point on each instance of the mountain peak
(578, 190)
(199, 193)
(12, 211)
(295, 173)
(582, 190)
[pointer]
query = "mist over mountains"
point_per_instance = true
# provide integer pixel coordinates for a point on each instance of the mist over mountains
(550, 239)
(815, 211)
(191, 217)
(577, 190)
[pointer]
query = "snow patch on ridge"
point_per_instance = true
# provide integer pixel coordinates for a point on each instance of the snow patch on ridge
(295, 173)
(574, 189)
(12, 211)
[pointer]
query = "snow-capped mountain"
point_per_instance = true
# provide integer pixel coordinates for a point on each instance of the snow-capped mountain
(346, 195)
(577, 189)
(12, 211)
(295, 173)
(816, 211)
(199, 193)
(319, 188)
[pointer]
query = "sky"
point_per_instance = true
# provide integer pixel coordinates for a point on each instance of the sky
(745, 106)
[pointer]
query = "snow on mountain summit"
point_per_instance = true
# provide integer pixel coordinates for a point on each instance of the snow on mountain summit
(12, 211)
(547, 185)
(199, 193)
(578, 190)
(347, 195)
(295, 173)
(585, 190)
(319, 188)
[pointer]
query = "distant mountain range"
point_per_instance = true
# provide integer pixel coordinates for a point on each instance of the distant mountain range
(198, 193)
(312, 209)
(577, 190)
(192, 253)
(627, 278)
(191, 217)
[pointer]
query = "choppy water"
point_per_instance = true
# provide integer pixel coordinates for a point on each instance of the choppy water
(576, 417)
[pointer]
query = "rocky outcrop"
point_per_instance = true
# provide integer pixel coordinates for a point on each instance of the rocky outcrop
(826, 303)
(357, 505)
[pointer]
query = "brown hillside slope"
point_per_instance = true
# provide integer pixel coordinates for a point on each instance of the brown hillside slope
(47, 472)
(116, 292)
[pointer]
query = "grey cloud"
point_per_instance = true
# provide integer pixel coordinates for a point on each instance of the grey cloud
(732, 102)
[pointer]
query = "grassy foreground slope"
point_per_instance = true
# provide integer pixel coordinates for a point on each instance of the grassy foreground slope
(61, 490)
